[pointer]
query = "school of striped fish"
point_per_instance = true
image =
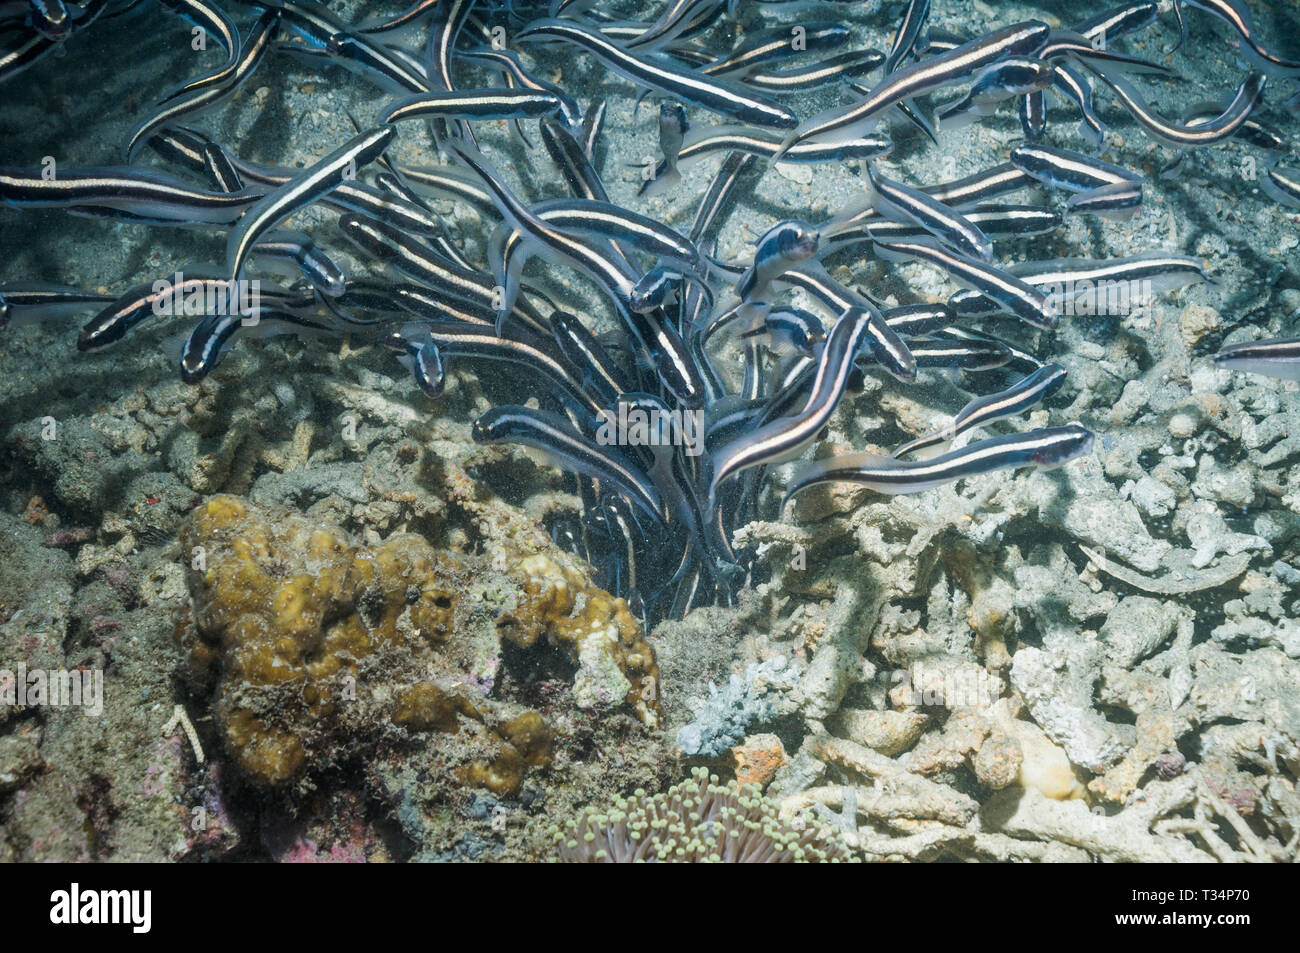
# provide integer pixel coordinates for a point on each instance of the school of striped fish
(736, 365)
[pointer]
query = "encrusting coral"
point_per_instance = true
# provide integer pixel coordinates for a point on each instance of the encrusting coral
(697, 821)
(316, 649)
(558, 602)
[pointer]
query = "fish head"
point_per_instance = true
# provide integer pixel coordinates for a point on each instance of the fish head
(1071, 442)
(798, 241)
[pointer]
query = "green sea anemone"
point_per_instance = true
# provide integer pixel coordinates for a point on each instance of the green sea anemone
(698, 821)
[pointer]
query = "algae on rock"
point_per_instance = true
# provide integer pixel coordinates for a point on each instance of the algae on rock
(316, 649)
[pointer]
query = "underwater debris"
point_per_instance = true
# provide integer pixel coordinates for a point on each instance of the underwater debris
(753, 697)
(758, 759)
(1171, 584)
